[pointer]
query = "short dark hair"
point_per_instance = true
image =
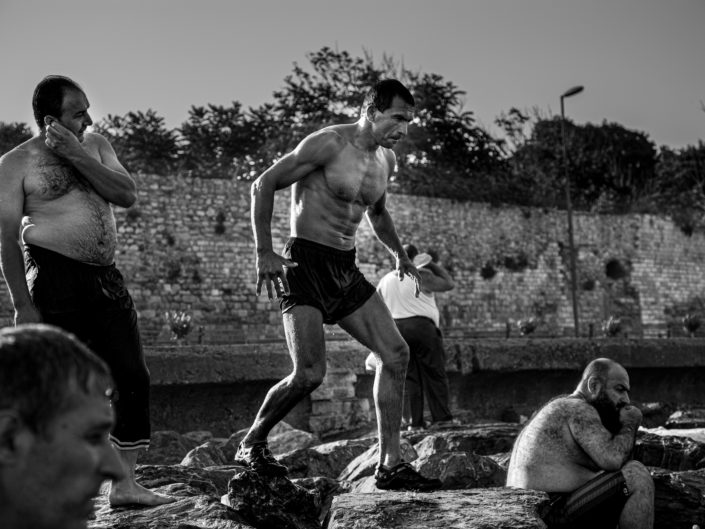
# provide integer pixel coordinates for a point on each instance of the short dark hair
(41, 368)
(411, 251)
(383, 92)
(49, 96)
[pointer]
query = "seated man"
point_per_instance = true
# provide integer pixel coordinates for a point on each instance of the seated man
(577, 448)
(55, 423)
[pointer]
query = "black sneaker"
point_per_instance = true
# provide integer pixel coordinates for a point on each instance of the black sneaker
(404, 477)
(259, 458)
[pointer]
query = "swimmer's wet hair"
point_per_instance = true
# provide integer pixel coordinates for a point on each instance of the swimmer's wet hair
(383, 92)
(42, 368)
(49, 95)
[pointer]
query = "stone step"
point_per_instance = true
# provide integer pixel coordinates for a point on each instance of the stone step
(466, 509)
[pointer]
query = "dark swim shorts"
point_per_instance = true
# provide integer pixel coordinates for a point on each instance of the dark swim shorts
(598, 503)
(326, 278)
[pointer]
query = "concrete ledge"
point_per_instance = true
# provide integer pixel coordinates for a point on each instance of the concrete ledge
(214, 364)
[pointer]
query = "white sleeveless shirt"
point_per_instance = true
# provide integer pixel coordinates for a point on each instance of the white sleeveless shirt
(399, 298)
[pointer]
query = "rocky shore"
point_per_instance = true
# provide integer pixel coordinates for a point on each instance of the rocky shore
(331, 486)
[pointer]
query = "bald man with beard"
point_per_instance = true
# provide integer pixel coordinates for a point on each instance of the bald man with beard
(578, 449)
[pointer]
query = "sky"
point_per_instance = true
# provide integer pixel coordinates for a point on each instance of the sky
(642, 62)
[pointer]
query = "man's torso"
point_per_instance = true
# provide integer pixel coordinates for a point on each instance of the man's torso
(328, 204)
(63, 212)
(400, 297)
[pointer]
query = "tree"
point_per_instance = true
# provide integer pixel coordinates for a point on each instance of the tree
(142, 141)
(12, 134)
(218, 140)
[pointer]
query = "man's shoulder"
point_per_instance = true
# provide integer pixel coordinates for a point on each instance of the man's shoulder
(20, 156)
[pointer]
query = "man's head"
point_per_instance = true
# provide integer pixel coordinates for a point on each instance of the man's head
(411, 251)
(605, 385)
(55, 422)
(388, 107)
(59, 98)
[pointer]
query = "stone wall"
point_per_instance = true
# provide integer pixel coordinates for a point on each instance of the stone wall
(187, 245)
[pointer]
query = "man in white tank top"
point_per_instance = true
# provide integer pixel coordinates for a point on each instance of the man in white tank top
(418, 321)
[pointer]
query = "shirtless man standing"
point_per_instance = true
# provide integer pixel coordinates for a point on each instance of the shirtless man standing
(338, 174)
(577, 448)
(57, 246)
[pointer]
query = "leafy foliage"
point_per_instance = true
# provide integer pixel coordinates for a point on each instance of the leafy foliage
(141, 141)
(12, 134)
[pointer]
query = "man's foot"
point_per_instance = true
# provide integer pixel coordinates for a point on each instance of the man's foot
(135, 495)
(259, 458)
(414, 428)
(404, 477)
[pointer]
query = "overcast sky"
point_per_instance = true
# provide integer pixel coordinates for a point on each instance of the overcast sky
(642, 62)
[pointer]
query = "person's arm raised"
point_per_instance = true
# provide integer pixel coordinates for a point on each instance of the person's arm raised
(314, 151)
(107, 175)
(435, 278)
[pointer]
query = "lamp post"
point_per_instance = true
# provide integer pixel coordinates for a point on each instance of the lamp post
(569, 207)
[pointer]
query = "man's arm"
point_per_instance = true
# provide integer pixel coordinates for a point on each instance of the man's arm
(383, 227)
(609, 452)
(107, 175)
(313, 151)
(434, 278)
(12, 167)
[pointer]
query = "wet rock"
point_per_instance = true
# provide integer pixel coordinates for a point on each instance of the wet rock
(483, 439)
(669, 452)
(654, 414)
(364, 464)
(209, 454)
(327, 460)
(679, 498)
(199, 436)
(694, 418)
(696, 434)
(273, 502)
(327, 489)
(282, 439)
(469, 509)
(166, 447)
(461, 470)
(502, 459)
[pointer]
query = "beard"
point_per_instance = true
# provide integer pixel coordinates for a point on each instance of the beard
(608, 412)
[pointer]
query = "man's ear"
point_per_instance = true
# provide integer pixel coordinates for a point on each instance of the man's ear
(10, 429)
(594, 385)
(371, 113)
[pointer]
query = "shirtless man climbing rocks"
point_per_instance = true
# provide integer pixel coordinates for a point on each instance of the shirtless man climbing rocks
(338, 175)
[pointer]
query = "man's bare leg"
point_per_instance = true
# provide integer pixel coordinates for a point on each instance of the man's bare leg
(303, 326)
(127, 491)
(373, 327)
(638, 512)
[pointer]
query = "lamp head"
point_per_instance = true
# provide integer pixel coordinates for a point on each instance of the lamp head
(572, 91)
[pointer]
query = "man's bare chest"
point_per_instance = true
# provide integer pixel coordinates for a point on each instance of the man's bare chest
(356, 179)
(51, 178)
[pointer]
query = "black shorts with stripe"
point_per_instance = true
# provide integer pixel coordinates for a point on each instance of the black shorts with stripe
(597, 503)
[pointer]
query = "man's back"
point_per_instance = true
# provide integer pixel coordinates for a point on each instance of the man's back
(546, 456)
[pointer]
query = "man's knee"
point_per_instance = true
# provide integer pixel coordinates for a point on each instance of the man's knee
(396, 359)
(308, 378)
(638, 477)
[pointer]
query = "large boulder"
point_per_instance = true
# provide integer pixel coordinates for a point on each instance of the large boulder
(484, 439)
(679, 498)
(669, 452)
(681, 419)
(461, 470)
(364, 465)
(209, 454)
(282, 439)
(326, 460)
(273, 502)
(469, 509)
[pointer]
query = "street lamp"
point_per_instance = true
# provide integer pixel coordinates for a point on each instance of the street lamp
(569, 207)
